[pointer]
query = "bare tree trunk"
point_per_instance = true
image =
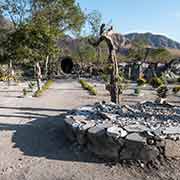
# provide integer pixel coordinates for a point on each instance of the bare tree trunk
(46, 67)
(114, 75)
(98, 54)
(114, 90)
(38, 76)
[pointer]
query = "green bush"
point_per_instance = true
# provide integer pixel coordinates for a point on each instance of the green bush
(137, 91)
(156, 82)
(141, 82)
(176, 89)
(87, 86)
(24, 92)
(178, 80)
(44, 88)
(104, 77)
(162, 91)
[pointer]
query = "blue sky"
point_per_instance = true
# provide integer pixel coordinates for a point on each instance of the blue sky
(156, 16)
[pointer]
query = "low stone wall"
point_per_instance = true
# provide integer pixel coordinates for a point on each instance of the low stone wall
(98, 131)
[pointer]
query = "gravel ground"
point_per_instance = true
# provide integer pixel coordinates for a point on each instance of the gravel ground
(33, 145)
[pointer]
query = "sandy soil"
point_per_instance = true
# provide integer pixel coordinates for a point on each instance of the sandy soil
(33, 145)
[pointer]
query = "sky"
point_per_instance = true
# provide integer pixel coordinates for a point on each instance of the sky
(156, 16)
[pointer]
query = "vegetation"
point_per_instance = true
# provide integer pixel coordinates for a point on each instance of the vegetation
(24, 92)
(156, 82)
(176, 89)
(45, 87)
(141, 81)
(137, 90)
(87, 86)
(162, 91)
(37, 25)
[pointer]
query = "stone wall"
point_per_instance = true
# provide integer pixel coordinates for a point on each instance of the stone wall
(101, 134)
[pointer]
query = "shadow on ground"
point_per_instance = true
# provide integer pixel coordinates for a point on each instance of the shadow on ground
(44, 136)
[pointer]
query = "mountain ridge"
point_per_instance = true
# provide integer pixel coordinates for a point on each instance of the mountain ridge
(153, 40)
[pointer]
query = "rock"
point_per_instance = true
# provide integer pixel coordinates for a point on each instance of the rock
(172, 149)
(98, 130)
(108, 151)
(69, 120)
(171, 130)
(70, 129)
(116, 132)
(136, 132)
(86, 108)
(87, 126)
(100, 144)
(81, 133)
(136, 128)
(108, 116)
(136, 137)
(80, 119)
(138, 151)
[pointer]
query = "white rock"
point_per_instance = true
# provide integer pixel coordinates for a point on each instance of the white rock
(171, 130)
(116, 132)
(136, 137)
(136, 128)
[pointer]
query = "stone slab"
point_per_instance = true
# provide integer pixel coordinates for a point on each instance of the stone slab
(136, 137)
(116, 132)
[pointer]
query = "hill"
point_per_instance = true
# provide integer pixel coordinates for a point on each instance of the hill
(153, 40)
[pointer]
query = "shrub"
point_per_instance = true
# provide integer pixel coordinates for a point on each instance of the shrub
(141, 82)
(104, 77)
(156, 82)
(178, 80)
(24, 92)
(87, 86)
(31, 85)
(44, 88)
(137, 91)
(162, 91)
(176, 89)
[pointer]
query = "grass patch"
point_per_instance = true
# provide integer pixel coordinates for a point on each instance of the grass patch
(89, 87)
(45, 87)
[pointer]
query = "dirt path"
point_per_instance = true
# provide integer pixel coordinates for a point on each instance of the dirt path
(32, 142)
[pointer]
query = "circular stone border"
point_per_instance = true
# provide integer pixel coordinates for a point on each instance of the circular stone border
(115, 143)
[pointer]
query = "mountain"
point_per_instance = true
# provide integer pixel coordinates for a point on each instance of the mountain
(153, 40)
(4, 23)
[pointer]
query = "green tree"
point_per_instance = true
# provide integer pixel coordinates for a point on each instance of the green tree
(139, 50)
(94, 20)
(160, 55)
(38, 27)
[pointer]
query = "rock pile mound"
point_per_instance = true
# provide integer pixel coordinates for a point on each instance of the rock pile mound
(145, 131)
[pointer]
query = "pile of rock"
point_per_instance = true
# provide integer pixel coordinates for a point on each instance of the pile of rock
(144, 131)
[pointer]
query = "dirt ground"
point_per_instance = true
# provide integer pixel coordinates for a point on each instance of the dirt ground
(33, 145)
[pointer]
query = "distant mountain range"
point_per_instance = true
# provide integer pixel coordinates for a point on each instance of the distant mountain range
(124, 42)
(153, 40)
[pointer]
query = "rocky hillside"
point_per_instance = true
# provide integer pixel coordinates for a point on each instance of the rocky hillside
(153, 40)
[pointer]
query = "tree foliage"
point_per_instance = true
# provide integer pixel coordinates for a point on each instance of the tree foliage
(38, 25)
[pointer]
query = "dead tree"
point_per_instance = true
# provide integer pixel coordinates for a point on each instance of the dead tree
(107, 36)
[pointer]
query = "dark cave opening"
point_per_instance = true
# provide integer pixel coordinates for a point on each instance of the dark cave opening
(67, 65)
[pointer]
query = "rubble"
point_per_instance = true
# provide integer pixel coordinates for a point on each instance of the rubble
(120, 132)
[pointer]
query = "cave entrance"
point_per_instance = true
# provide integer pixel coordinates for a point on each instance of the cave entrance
(67, 65)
